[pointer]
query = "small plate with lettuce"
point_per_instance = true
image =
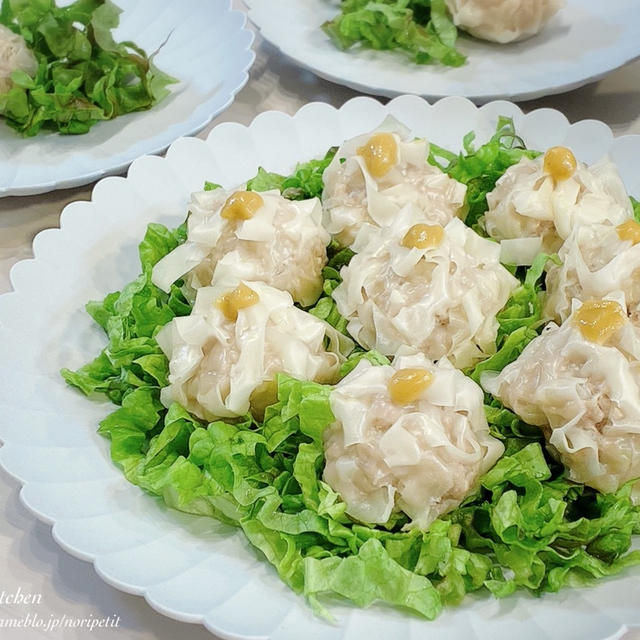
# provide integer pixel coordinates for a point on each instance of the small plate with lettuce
(229, 524)
(86, 86)
(530, 48)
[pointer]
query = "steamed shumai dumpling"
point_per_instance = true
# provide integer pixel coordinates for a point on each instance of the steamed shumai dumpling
(14, 55)
(545, 198)
(224, 357)
(503, 20)
(410, 437)
(596, 260)
(580, 383)
(250, 236)
(433, 288)
(374, 175)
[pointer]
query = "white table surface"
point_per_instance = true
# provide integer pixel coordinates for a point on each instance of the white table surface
(30, 560)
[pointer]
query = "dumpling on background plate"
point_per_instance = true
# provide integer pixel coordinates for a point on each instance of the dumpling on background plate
(503, 20)
(374, 175)
(436, 289)
(580, 383)
(412, 437)
(596, 260)
(15, 55)
(540, 201)
(250, 236)
(224, 357)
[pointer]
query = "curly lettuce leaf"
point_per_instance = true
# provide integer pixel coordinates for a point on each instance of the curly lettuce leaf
(304, 183)
(518, 324)
(547, 531)
(373, 356)
(325, 308)
(131, 318)
(421, 28)
(524, 307)
(83, 75)
(481, 168)
(519, 320)
(527, 527)
(370, 575)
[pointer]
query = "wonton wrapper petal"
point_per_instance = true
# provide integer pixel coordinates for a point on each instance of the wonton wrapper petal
(352, 196)
(220, 368)
(528, 203)
(423, 458)
(441, 301)
(595, 263)
(283, 244)
(584, 396)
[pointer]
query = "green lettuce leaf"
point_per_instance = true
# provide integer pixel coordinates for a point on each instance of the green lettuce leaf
(524, 307)
(481, 168)
(131, 318)
(519, 320)
(374, 357)
(421, 28)
(545, 530)
(304, 183)
(370, 575)
(325, 308)
(526, 527)
(83, 75)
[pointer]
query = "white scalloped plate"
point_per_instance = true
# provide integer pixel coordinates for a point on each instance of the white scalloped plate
(586, 40)
(191, 568)
(208, 50)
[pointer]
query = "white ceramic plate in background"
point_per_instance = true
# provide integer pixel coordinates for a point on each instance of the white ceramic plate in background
(208, 50)
(195, 569)
(586, 40)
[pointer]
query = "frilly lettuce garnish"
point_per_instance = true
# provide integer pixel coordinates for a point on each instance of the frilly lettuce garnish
(481, 168)
(83, 75)
(527, 526)
(326, 308)
(421, 28)
(518, 321)
(304, 183)
(131, 318)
